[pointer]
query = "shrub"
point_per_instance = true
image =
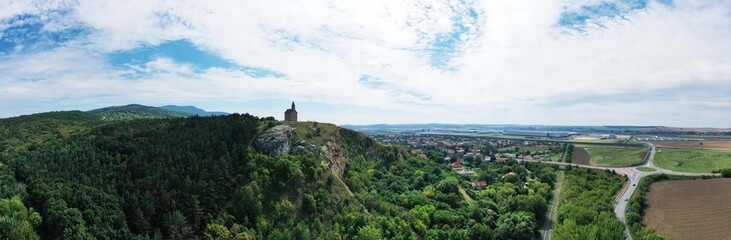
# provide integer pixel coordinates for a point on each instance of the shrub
(726, 172)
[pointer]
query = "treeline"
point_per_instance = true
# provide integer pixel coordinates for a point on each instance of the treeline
(568, 155)
(586, 208)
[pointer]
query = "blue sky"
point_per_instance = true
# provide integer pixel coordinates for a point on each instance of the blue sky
(349, 62)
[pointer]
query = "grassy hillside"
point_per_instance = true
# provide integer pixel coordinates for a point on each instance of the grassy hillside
(76, 176)
(614, 156)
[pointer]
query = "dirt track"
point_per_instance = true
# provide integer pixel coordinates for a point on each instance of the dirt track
(690, 209)
(694, 144)
(548, 228)
(580, 156)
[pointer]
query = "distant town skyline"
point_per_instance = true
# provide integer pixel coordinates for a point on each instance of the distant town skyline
(557, 62)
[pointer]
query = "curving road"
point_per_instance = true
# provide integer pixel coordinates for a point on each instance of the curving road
(634, 177)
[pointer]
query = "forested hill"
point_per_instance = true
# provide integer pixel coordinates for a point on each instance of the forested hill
(136, 111)
(71, 175)
(192, 110)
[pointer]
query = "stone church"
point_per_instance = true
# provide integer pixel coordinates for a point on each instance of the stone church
(290, 114)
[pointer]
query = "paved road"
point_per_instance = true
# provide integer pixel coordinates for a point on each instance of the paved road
(634, 177)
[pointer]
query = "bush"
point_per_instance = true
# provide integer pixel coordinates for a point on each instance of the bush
(726, 172)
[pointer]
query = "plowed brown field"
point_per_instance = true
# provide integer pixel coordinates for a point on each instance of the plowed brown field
(580, 156)
(694, 144)
(690, 209)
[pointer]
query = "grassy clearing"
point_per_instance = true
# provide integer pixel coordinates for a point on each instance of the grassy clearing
(614, 156)
(646, 169)
(554, 157)
(692, 160)
(466, 196)
(314, 132)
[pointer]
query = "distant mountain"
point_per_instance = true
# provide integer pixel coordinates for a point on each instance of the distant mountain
(192, 110)
(137, 111)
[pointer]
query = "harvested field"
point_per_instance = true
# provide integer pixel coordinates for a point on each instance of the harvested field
(690, 209)
(580, 156)
(694, 144)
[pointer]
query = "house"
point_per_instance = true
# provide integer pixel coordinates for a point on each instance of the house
(479, 185)
(460, 151)
(501, 160)
(457, 166)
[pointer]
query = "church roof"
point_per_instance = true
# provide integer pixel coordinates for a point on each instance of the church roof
(290, 110)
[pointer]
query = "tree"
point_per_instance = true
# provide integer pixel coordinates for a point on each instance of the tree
(448, 185)
(369, 233)
(516, 225)
(216, 232)
(17, 221)
(481, 231)
(309, 204)
(534, 204)
(65, 221)
(176, 226)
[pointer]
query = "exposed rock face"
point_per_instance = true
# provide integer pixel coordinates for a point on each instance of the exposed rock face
(334, 159)
(276, 140)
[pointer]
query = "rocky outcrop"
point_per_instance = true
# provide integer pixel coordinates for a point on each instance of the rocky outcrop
(276, 140)
(283, 139)
(335, 159)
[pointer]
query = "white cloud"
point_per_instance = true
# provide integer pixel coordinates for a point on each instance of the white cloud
(515, 65)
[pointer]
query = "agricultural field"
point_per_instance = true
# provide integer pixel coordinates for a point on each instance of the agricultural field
(613, 156)
(693, 144)
(692, 160)
(580, 156)
(690, 209)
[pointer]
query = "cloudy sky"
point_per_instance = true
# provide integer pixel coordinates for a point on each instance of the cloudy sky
(357, 62)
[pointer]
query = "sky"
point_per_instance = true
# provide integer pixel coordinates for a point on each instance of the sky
(556, 62)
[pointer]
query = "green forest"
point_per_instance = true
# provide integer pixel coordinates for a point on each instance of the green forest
(586, 209)
(75, 175)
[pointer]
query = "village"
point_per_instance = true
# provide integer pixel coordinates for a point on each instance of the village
(468, 156)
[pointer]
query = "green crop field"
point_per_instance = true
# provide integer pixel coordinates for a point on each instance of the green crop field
(692, 160)
(614, 156)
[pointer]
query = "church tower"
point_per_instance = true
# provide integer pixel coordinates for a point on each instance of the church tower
(290, 114)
